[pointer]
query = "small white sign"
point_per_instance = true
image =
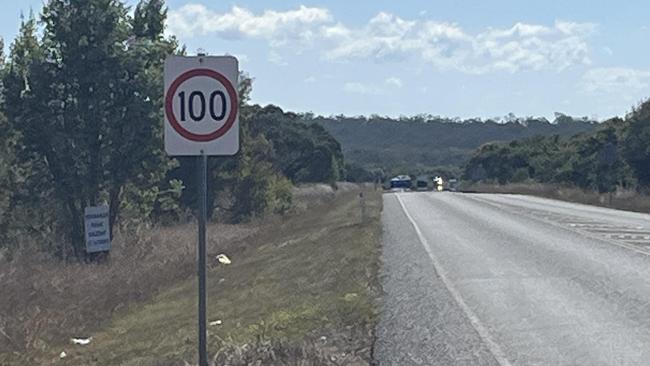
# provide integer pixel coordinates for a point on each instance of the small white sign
(97, 227)
(201, 105)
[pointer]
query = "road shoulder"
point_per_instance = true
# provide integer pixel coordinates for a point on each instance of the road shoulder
(420, 323)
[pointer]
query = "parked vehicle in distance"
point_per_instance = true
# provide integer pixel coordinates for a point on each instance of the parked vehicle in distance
(422, 183)
(401, 182)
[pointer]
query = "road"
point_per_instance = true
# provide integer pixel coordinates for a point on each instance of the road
(489, 279)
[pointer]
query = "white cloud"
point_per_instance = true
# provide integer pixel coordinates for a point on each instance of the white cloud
(310, 79)
(373, 88)
(384, 36)
(448, 46)
(616, 80)
(388, 37)
(532, 47)
(276, 26)
(394, 82)
(337, 31)
(360, 88)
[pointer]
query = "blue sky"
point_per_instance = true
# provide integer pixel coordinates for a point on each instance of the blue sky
(451, 58)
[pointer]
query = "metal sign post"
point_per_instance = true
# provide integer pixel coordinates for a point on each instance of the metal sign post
(201, 119)
(202, 164)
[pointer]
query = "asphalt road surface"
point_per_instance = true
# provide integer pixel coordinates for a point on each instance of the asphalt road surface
(488, 279)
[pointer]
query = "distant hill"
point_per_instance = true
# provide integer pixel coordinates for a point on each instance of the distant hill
(425, 145)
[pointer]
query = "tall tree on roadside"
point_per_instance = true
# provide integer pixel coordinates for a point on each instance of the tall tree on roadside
(6, 160)
(91, 106)
(25, 52)
(141, 90)
(17, 164)
(149, 19)
(637, 144)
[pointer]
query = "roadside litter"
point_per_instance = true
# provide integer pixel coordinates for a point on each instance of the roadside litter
(223, 259)
(81, 341)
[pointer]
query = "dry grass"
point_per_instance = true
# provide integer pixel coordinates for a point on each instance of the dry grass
(621, 199)
(293, 280)
(45, 300)
(310, 195)
(276, 353)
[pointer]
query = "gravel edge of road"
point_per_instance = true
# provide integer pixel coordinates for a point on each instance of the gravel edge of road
(420, 323)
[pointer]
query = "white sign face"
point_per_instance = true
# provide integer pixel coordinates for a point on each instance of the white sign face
(201, 105)
(98, 233)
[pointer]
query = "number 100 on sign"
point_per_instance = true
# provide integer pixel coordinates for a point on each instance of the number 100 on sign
(201, 105)
(216, 105)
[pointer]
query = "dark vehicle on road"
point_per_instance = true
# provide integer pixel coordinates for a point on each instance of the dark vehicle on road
(422, 183)
(401, 181)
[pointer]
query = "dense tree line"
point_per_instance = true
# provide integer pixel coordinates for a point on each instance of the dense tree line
(426, 144)
(81, 124)
(303, 152)
(616, 154)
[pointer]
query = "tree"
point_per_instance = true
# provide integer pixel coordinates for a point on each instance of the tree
(89, 106)
(149, 19)
(25, 52)
(139, 160)
(357, 173)
(637, 144)
(596, 163)
(21, 176)
(303, 152)
(2, 55)
(7, 163)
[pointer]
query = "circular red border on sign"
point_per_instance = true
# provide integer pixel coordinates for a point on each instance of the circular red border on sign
(169, 106)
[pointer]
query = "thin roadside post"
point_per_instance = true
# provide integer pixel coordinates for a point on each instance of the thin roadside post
(202, 165)
(362, 204)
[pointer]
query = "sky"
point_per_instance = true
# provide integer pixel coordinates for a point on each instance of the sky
(453, 58)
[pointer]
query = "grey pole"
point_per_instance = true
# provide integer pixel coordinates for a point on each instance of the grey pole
(202, 165)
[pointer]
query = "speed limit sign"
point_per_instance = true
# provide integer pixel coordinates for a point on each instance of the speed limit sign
(201, 105)
(201, 119)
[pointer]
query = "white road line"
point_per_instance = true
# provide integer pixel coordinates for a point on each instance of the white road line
(586, 233)
(482, 331)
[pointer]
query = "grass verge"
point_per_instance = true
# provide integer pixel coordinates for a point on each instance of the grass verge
(301, 288)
